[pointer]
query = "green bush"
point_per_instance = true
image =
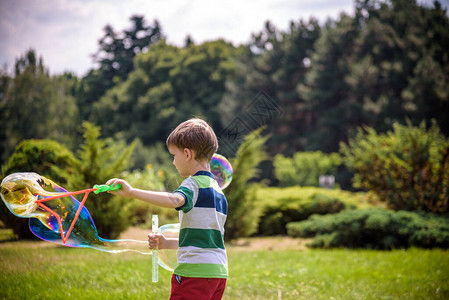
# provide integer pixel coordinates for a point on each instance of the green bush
(284, 205)
(305, 168)
(39, 156)
(408, 168)
(374, 228)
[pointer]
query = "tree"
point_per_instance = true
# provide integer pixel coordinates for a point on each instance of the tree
(168, 85)
(115, 59)
(97, 161)
(244, 211)
(408, 167)
(384, 65)
(117, 51)
(387, 78)
(325, 90)
(428, 84)
(35, 105)
(5, 81)
(275, 62)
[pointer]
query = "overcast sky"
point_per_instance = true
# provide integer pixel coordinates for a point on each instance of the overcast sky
(66, 32)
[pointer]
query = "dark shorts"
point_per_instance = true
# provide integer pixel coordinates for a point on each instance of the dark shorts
(197, 288)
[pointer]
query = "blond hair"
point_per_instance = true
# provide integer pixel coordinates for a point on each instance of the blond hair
(195, 134)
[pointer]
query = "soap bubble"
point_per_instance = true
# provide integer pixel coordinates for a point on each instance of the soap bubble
(56, 216)
(222, 170)
(167, 257)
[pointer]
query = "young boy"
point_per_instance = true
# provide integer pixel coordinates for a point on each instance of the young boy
(202, 262)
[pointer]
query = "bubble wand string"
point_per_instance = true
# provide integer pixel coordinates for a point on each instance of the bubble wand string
(96, 189)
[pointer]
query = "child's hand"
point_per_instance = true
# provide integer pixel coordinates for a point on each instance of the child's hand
(157, 241)
(124, 191)
(161, 242)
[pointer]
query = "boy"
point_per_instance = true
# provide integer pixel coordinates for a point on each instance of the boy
(202, 262)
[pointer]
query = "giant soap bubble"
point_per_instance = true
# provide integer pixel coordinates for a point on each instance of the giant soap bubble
(56, 216)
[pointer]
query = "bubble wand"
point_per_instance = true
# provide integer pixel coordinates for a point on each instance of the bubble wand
(154, 252)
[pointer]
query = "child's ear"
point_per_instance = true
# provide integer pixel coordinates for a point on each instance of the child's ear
(188, 153)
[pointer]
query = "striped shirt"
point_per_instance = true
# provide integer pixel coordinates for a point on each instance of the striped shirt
(201, 251)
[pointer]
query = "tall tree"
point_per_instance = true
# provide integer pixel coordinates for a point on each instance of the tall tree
(35, 105)
(117, 51)
(98, 160)
(273, 63)
(170, 84)
(382, 66)
(405, 50)
(325, 89)
(115, 57)
(241, 193)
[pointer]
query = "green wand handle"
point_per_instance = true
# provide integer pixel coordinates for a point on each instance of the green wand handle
(104, 188)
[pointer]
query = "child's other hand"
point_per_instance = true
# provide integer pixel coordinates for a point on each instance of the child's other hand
(157, 241)
(124, 191)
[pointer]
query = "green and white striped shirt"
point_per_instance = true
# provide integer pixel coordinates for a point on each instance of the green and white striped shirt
(201, 251)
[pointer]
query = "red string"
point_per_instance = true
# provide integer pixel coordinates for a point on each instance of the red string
(58, 217)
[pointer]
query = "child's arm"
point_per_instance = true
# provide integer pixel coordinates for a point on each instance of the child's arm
(161, 242)
(163, 199)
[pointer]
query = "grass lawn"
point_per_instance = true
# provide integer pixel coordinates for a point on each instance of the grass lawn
(264, 268)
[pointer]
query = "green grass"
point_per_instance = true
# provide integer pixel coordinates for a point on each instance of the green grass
(36, 271)
(340, 274)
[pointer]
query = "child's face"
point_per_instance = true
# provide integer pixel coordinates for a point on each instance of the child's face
(180, 160)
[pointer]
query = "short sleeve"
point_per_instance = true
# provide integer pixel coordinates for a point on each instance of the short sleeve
(189, 189)
(188, 196)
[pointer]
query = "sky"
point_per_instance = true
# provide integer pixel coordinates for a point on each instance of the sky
(66, 32)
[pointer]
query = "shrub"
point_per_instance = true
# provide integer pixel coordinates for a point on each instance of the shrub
(408, 168)
(374, 228)
(305, 168)
(39, 156)
(284, 205)
(244, 211)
